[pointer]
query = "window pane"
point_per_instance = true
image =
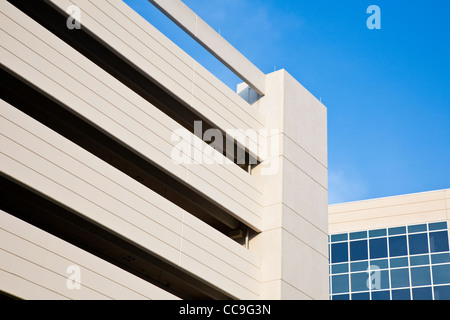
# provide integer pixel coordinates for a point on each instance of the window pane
(340, 283)
(419, 260)
(361, 296)
(399, 278)
(441, 274)
(339, 237)
(359, 266)
(397, 246)
(378, 248)
(440, 258)
(340, 297)
(417, 228)
(439, 241)
(376, 279)
(358, 235)
(377, 233)
(402, 294)
(418, 243)
(339, 252)
(359, 281)
(384, 279)
(399, 262)
(437, 226)
(381, 263)
(442, 293)
(339, 268)
(358, 250)
(422, 293)
(381, 295)
(397, 230)
(420, 276)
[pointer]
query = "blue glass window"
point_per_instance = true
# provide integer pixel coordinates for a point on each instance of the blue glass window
(377, 233)
(422, 293)
(381, 263)
(399, 262)
(339, 252)
(377, 279)
(441, 274)
(397, 230)
(358, 235)
(417, 228)
(358, 250)
(378, 248)
(339, 237)
(381, 295)
(437, 226)
(340, 297)
(399, 278)
(359, 281)
(420, 276)
(402, 294)
(439, 241)
(339, 268)
(419, 260)
(397, 246)
(361, 296)
(440, 258)
(418, 243)
(442, 293)
(359, 266)
(340, 283)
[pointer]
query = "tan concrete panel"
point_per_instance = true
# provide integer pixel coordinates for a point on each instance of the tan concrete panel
(224, 255)
(305, 196)
(387, 201)
(388, 211)
(164, 73)
(306, 232)
(309, 130)
(206, 233)
(50, 254)
(305, 161)
(219, 280)
(387, 221)
(305, 268)
(23, 288)
(236, 209)
(234, 276)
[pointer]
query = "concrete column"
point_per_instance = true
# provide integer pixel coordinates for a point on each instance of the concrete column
(293, 244)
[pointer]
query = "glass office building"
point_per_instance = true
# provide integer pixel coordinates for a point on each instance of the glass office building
(409, 262)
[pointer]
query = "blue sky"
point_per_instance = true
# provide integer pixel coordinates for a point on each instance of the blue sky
(387, 91)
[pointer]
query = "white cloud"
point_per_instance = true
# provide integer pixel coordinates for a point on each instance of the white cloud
(344, 186)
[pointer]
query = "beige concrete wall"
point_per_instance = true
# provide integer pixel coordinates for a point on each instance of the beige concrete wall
(51, 65)
(36, 265)
(287, 259)
(393, 211)
(293, 244)
(127, 33)
(213, 42)
(53, 166)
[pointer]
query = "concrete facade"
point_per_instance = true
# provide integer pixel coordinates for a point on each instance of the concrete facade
(93, 204)
(393, 248)
(408, 209)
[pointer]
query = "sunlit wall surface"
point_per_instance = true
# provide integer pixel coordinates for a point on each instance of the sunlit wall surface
(401, 263)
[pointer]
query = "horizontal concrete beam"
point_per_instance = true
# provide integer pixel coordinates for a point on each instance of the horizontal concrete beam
(201, 32)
